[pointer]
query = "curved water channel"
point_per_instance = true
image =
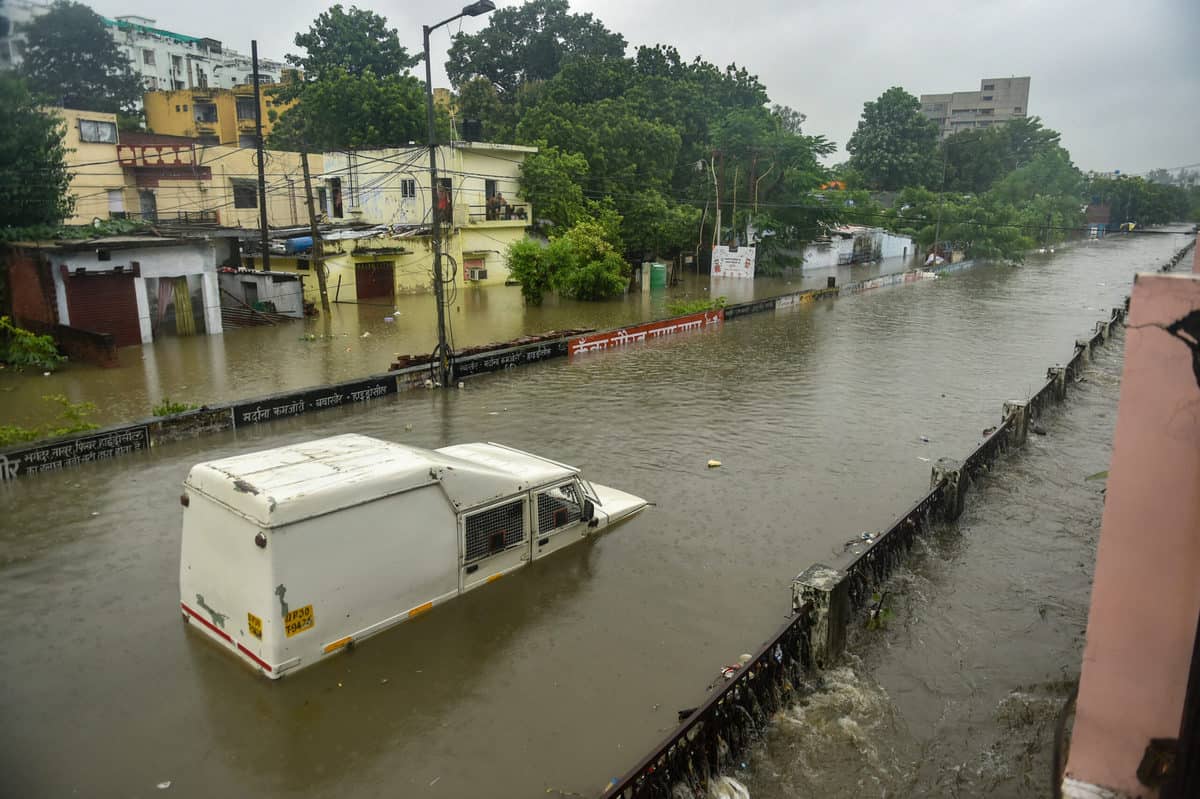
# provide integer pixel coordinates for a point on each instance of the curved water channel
(562, 675)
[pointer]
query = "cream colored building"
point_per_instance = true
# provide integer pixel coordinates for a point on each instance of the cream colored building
(174, 179)
(389, 189)
(997, 101)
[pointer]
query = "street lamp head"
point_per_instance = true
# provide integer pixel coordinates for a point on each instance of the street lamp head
(479, 8)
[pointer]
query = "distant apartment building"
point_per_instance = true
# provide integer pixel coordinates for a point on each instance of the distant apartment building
(15, 15)
(997, 101)
(212, 116)
(173, 61)
(164, 60)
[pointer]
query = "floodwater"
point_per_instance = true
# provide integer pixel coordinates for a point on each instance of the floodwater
(351, 341)
(957, 695)
(561, 676)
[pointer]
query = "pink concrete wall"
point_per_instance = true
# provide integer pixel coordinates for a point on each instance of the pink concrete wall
(1146, 596)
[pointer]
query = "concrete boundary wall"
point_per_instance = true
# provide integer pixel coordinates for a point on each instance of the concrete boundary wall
(37, 457)
(827, 599)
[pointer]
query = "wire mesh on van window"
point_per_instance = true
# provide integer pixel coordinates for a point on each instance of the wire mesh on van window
(494, 530)
(558, 507)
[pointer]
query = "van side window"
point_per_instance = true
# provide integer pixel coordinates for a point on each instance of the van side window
(558, 507)
(494, 530)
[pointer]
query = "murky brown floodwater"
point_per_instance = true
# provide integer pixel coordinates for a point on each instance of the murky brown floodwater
(957, 696)
(250, 362)
(561, 676)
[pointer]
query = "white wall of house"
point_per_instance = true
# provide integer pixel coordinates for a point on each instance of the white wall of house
(198, 259)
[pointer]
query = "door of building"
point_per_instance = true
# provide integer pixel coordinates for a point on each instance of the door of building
(104, 304)
(149, 205)
(375, 280)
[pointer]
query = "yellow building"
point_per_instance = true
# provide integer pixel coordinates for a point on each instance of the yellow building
(389, 190)
(135, 175)
(97, 181)
(213, 116)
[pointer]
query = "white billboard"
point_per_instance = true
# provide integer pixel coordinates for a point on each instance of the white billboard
(733, 261)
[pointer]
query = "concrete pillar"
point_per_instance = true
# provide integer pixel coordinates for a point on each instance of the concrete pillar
(1084, 344)
(955, 498)
(143, 310)
(1059, 375)
(1019, 431)
(211, 296)
(828, 592)
(1102, 329)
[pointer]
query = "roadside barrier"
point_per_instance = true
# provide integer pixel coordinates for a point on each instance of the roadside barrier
(39, 457)
(826, 600)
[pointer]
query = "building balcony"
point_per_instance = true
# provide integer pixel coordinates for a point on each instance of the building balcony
(507, 215)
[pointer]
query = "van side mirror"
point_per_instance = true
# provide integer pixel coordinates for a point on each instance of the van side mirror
(589, 511)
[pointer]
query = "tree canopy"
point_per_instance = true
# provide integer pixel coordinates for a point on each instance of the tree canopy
(354, 42)
(71, 60)
(529, 43)
(33, 173)
(894, 146)
(356, 91)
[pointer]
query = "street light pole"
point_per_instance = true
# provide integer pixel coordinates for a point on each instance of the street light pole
(442, 355)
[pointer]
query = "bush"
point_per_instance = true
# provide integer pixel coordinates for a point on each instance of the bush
(21, 348)
(582, 264)
(169, 408)
(685, 306)
(72, 418)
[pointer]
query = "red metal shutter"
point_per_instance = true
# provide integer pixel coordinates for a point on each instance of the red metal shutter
(375, 280)
(104, 304)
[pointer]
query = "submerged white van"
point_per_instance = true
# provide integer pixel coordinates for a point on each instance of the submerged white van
(292, 554)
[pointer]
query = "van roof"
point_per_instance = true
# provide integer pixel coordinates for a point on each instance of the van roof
(296, 482)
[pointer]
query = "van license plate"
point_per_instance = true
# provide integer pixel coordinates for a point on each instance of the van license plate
(298, 620)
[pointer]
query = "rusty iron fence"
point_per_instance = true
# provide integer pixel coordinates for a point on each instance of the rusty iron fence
(717, 732)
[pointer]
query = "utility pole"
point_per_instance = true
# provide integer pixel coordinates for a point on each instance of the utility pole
(444, 367)
(316, 258)
(264, 231)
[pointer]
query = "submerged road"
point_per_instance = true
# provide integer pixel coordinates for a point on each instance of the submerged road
(562, 675)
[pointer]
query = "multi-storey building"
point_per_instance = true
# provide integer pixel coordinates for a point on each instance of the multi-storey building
(212, 116)
(997, 101)
(15, 15)
(170, 61)
(164, 60)
(389, 190)
(175, 179)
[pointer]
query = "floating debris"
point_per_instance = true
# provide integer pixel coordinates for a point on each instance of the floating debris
(713, 464)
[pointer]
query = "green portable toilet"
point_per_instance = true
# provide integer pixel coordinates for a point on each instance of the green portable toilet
(658, 276)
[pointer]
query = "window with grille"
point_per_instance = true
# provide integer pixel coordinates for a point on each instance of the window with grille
(494, 530)
(558, 507)
(408, 188)
(245, 193)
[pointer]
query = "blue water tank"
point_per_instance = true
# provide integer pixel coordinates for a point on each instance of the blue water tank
(298, 244)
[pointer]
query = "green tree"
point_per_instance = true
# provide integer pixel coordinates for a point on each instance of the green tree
(355, 42)
(553, 182)
(894, 146)
(1027, 138)
(71, 59)
(356, 91)
(34, 183)
(974, 159)
(341, 111)
(528, 43)
(654, 226)
(582, 263)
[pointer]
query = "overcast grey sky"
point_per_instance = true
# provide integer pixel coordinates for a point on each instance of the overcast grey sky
(1119, 78)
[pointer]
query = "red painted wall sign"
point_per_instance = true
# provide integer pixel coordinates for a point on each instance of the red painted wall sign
(611, 339)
